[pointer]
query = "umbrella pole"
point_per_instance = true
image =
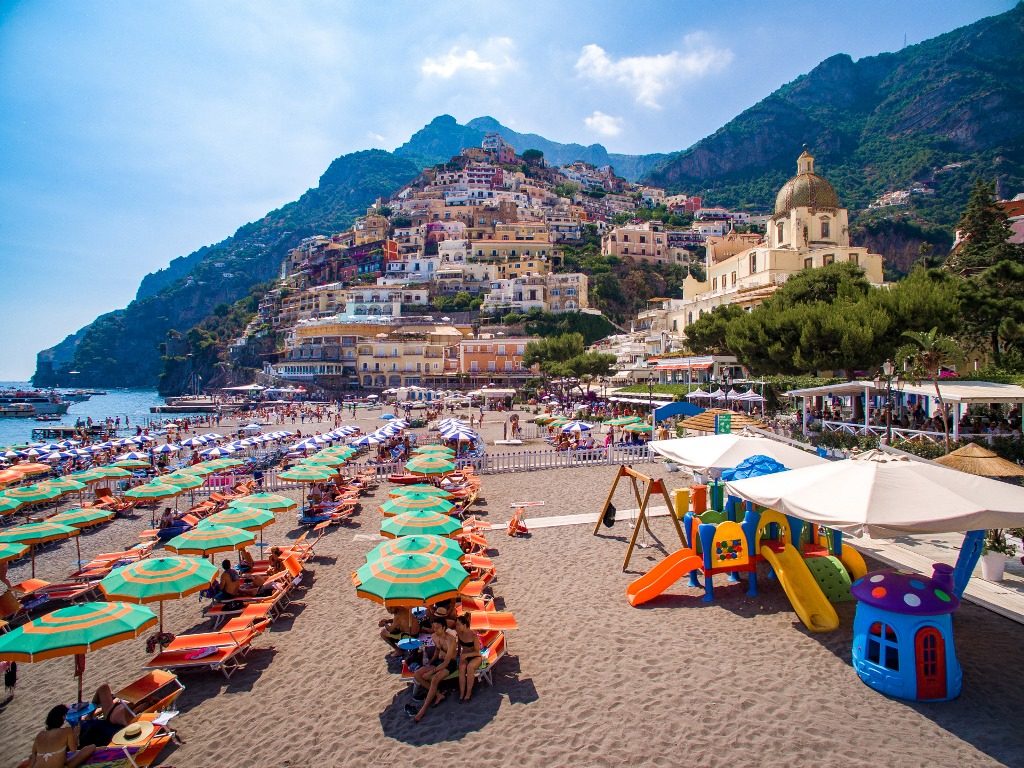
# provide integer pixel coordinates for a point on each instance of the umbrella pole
(78, 548)
(161, 617)
(32, 549)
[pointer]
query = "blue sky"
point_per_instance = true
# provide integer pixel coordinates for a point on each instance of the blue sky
(131, 133)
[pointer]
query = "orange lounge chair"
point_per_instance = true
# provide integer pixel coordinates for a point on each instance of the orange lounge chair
(492, 620)
(274, 604)
(221, 651)
(155, 691)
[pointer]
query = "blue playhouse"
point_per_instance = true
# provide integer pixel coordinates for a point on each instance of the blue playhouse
(903, 634)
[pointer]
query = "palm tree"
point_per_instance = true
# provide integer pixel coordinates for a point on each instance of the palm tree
(924, 357)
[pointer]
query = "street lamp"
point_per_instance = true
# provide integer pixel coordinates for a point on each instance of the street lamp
(650, 397)
(889, 374)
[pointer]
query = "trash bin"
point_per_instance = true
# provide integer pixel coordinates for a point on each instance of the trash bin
(700, 498)
(681, 501)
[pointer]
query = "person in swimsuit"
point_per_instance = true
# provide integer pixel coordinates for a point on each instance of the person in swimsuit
(115, 716)
(445, 662)
(469, 656)
(401, 624)
(56, 745)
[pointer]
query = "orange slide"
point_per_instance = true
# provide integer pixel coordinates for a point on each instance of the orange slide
(663, 575)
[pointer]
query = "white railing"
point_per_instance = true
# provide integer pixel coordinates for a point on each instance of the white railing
(903, 433)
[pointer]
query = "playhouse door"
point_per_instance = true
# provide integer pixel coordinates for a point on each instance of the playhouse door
(930, 653)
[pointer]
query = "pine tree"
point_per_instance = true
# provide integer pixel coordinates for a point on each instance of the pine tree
(984, 232)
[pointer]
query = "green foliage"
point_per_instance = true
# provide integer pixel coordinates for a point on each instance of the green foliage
(567, 189)
(984, 232)
(463, 301)
(553, 352)
(706, 334)
(533, 157)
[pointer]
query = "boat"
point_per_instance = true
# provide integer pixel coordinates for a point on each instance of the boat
(76, 396)
(42, 402)
(188, 404)
(17, 410)
(48, 417)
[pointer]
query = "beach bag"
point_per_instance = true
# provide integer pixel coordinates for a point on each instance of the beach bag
(609, 516)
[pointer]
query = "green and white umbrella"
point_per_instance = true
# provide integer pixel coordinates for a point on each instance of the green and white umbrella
(304, 473)
(153, 491)
(424, 544)
(82, 518)
(423, 502)
(9, 505)
(419, 488)
(182, 480)
(39, 533)
(413, 523)
(410, 580)
(11, 551)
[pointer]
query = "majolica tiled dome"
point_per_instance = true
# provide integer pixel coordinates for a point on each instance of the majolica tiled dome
(805, 190)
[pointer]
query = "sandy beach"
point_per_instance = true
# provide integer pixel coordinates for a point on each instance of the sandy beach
(588, 680)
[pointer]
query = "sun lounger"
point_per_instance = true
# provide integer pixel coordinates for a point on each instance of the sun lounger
(155, 691)
(273, 604)
(221, 651)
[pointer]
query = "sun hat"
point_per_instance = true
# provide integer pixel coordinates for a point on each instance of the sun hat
(133, 734)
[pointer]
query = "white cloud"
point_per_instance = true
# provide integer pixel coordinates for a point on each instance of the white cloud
(376, 138)
(647, 77)
(606, 125)
(489, 58)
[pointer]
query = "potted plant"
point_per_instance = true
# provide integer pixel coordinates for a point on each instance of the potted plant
(994, 554)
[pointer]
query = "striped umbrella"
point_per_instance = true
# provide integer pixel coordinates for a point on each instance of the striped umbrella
(424, 544)
(9, 505)
(412, 523)
(637, 427)
(410, 580)
(183, 480)
(73, 631)
(304, 473)
(117, 473)
(31, 468)
(324, 460)
(577, 426)
(271, 501)
(87, 476)
(82, 518)
(340, 450)
(622, 421)
(11, 551)
(427, 450)
(243, 518)
(66, 484)
(210, 539)
(157, 579)
(8, 476)
(199, 470)
(39, 533)
(131, 463)
(429, 465)
(32, 494)
(419, 488)
(418, 503)
(153, 491)
(461, 435)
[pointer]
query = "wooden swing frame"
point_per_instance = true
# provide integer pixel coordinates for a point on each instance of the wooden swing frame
(643, 500)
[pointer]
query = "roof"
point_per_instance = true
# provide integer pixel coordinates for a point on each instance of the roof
(805, 190)
(908, 593)
(705, 422)
(970, 392)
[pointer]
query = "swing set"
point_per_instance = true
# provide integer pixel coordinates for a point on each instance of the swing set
(643, 499)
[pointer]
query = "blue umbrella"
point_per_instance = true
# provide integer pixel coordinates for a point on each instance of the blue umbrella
(577, 426)
(462, 435)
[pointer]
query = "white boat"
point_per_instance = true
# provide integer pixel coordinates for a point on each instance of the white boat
(17, 410)
(41, 402)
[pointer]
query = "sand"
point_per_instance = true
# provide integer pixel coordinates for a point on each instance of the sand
(588, 680)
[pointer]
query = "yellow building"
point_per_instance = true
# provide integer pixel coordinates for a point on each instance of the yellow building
(808, 230)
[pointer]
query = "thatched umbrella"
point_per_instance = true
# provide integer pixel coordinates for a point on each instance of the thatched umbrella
(705, 422)
(976, 460)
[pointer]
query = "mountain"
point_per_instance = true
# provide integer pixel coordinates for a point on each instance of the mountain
(940, 112)
(121, 348)
(444, 137)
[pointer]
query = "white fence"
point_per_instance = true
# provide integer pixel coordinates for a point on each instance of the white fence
(903, 433)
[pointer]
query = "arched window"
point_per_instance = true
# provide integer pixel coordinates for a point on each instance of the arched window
(780, 233)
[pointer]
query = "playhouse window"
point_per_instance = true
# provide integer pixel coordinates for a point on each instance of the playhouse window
(883, 648)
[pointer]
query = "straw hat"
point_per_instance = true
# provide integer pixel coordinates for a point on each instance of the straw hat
(976, 460)
(133, 734)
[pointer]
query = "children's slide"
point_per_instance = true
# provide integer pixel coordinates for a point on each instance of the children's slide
(809, 602)
(663, 575)
(854, 562)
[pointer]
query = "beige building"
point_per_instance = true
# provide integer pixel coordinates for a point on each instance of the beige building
(563, 292)
(808, 230)
(646, 241)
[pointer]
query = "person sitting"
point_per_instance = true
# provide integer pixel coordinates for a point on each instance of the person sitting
(113, 715)
(402, 624)
(167, 519)
(245, 563)
(228, 585)
(470, 657)
(56, 745)
(431, 675)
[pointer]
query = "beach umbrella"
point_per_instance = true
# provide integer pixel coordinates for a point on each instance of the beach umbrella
(975, 460)
(82, 518)
(31, 468)
(132, 456)
(11, 551)
(183, 480)
(423, 544)
(321, 460)
(435, 449)
(210, 539)
(35, 493)
(417, 489)
(577, 426)
(340, 450)
(271, 501)
(8, 476)
(39, 533)
(199, 470)
(116, 473)
(156, 579)
(153, 491)
(542, 419)
(645, 428)
(724, 451)
(421, 502)
(73, 631)
(429, 465)
(58, 456)
(9, 505)
(412, 523)
(461, 435)
(222, 464)
(87, 476)
(305, 473)
(193, 442)
(132, 464)
(410, 580)
(66, 484)
(243, 518)
(622, 421)
(368, 440)
(167, 448)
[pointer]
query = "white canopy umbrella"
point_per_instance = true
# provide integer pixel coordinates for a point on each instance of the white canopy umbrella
(699, 394)
(723, 451)
(750, 396)
(880, 495)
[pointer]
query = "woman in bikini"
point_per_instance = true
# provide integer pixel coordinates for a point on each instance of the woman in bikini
(56, 745)
(401, 624)
(469, 656)
(445, 662)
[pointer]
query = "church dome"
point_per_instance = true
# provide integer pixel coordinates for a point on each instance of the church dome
(805, 190)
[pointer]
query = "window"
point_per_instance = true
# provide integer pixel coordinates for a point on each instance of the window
(780, 231)
(643, 239)
(883, 648)
(808, 262)
(501, 349)
(714, 284)
(825, 228)
(753, 263)
(733, 279)
(474, 366)
(853, 258)
(828, 258)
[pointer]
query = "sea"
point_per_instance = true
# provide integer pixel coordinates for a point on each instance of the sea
(131, 403)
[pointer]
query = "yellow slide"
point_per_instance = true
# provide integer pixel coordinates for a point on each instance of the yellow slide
(809, 602)
(854, 562)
